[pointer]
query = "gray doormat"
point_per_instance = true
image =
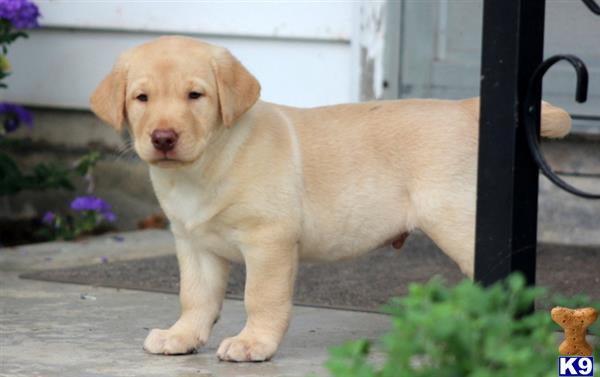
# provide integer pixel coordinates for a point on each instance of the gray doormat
(364, 283)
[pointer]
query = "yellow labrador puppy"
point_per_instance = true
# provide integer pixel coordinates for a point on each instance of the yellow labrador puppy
(268, 185)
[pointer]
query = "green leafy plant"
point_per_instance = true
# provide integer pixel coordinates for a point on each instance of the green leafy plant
(464, 331)
(41, 177)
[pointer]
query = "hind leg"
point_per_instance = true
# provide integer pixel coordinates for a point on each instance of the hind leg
(450, 223)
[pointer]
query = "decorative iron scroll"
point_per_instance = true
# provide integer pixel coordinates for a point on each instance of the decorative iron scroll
(593, 6)
(530, 109)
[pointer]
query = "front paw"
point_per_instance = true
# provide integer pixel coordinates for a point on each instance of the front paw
(169, 342)
(243, 348)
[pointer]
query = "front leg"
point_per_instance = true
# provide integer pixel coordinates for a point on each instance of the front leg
(270, 274)
(203, 281)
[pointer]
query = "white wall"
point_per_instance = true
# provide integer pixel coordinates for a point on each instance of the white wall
(442, 53)
(302, 52)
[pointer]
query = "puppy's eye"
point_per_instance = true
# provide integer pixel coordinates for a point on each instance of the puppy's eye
(142, 98)
(194, 95)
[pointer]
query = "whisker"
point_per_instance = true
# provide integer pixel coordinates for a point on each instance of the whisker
(124, 151)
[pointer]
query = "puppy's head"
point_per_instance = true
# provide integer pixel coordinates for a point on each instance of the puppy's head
(174, 92)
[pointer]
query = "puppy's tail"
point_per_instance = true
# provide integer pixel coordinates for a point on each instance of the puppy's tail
(556, 122)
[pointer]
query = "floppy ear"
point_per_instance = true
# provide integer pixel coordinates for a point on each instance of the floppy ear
(108, 100)
(238, 90)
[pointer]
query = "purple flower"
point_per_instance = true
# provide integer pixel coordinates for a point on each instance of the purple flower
(89, 203)
(95, 204)
(22, 14)
(109, 216)
(48, 218)
(14, 115)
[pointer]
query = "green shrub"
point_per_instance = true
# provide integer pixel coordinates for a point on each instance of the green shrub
(465, 331)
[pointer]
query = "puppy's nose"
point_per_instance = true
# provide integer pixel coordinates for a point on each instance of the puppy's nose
(164, 140)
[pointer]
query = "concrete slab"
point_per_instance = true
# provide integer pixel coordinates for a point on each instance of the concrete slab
(48, 330)
(53, 329)
(108, 247)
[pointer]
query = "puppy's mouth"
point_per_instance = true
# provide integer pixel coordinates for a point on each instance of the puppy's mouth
(169, 160)
(166, 162)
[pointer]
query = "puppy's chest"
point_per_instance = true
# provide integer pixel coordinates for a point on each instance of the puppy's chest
(185, 205)
(197, 216)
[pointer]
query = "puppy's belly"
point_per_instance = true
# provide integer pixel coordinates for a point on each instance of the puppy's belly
(350, 237)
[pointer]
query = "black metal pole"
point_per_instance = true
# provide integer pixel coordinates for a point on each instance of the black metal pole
(507, 184)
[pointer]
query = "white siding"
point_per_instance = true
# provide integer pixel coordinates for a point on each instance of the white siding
(324, 20)
(443, 50)
(301, 52)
